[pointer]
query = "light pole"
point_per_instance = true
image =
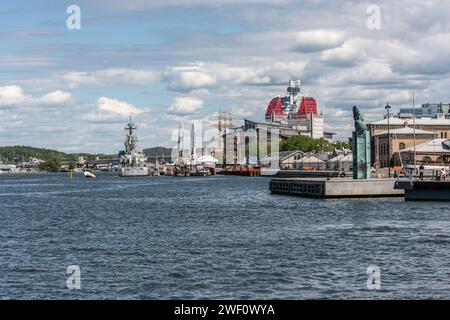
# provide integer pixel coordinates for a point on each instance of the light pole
(388, 108)
(434, 151)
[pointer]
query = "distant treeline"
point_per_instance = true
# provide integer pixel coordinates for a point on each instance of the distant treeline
(16, 154)
(308, 144)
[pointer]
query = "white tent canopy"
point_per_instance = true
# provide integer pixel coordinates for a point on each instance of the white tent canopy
(207, 159)
(340, 158)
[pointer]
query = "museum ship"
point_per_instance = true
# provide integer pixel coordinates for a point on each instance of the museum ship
(132, 160)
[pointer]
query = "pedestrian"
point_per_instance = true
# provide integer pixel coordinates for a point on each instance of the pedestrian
(443, 174)
(421, 171)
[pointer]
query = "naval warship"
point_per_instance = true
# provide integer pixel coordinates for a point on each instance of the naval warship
(132, 159)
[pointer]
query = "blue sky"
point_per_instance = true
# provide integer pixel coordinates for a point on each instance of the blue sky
(170, 61)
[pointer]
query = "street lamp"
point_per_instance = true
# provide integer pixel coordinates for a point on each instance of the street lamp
(434, 151)
(388, 108)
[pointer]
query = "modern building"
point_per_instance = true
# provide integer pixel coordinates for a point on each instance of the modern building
(428, 110)
(297, 111)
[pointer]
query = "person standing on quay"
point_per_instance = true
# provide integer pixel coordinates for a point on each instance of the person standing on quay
(421, 171)
(443, 174)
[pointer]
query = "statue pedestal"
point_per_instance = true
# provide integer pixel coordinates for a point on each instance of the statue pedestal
(361, 155)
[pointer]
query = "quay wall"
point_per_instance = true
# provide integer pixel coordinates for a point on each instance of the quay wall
(335, 188)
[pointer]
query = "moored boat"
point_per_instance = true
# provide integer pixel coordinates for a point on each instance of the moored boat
(132, 159)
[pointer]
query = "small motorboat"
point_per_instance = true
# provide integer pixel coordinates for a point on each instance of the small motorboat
(90, 175)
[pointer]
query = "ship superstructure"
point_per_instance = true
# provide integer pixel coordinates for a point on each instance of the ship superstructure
(132, 159)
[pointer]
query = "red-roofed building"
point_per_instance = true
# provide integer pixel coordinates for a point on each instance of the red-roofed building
(296, 110)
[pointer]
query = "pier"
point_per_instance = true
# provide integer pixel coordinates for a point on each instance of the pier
(425, 190)
(335, 188)
(311, 174)
(249, 172)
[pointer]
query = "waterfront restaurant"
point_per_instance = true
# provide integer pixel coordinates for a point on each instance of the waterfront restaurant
(401, 135)
(434, 152)
(385, 144)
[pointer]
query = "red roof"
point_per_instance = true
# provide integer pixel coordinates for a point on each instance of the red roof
(275, 107)
(307, 106)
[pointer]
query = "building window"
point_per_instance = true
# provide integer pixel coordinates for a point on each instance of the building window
(401, 146)
(426, 159)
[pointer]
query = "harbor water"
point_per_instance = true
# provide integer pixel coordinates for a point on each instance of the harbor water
(214, 237)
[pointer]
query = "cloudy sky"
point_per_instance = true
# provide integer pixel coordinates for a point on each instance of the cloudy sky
(173, 60)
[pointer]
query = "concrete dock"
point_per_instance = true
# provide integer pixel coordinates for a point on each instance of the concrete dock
(335, 188)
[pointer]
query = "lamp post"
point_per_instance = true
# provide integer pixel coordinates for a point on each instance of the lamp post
(434, 151)
(388, 108)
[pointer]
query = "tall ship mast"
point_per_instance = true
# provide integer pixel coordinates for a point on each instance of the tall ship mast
(132, 159)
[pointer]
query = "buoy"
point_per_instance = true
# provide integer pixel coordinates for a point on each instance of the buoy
(87, 174)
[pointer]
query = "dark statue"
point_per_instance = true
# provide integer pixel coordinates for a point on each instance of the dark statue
(360, 126)
(360, 147)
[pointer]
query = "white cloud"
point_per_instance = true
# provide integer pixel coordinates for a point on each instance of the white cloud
(348, 54)
(202, 75)
(186, 78)
(118, 107)
(318, 40)
(185, 105)
(113, 110)
(111, 76)
(15, 96)
(12, 95)
(134, 5)
(57, 97)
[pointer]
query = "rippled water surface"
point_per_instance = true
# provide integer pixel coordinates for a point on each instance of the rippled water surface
(216, 237)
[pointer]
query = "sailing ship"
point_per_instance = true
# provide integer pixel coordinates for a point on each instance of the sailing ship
(181, 168)
(194, 166)
(132, 159)
(196, 169)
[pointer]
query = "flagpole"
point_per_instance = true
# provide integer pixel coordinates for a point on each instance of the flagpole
(414, 129)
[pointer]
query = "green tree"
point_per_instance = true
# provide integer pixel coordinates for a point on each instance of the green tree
(52, 165)
(72, 165)
(342, 145)
(305, 144)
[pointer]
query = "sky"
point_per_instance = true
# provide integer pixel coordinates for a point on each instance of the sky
(184, 60)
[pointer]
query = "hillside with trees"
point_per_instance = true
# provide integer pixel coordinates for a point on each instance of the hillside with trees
(16, 154)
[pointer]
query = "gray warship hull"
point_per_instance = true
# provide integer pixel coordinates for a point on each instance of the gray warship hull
(133, 172)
